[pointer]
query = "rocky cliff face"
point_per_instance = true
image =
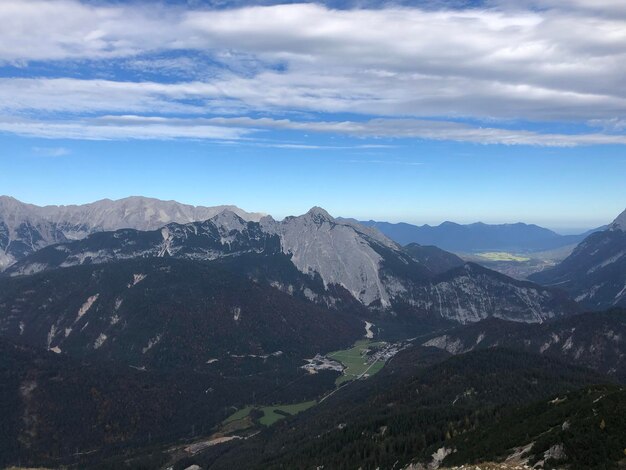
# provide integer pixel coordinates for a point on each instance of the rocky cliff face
(225, 234)
(472, 293)
(21, 237)
(343, 253)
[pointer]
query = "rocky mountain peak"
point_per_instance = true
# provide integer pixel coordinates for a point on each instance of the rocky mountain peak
(318, 215)
(12, 209)
(7, 201)
(228, 221)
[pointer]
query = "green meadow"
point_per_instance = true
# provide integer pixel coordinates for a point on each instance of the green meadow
(271, 413)
(356, 361)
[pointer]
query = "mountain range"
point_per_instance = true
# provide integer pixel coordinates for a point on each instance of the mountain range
(24, 228)
(476, 237)
(181, 342)
(373, 270)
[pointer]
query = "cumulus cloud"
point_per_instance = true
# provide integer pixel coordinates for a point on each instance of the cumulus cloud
(533, 60)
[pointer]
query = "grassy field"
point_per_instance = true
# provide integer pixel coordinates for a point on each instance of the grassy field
(355, 360)
(239, 414)
(502, 256)
(271, 414)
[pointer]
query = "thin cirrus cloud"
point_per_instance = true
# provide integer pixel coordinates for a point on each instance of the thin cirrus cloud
(51, 151)
(248, 129)
(409, 72)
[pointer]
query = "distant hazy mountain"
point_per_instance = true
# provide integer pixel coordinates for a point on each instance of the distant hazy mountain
(25, 228)
(595, 273)
(343, 255)
(455, 237)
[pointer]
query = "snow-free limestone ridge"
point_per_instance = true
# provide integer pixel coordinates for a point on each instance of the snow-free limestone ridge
(225, 234)
(341, 253)
(373, 270)
(338, 252)
(25, 228)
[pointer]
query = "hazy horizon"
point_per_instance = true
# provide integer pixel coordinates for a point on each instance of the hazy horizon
(413, 220)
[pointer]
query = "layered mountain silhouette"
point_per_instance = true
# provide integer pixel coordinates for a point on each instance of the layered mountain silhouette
(375, 271)
(469, 238)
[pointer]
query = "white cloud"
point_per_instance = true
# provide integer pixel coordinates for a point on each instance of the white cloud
(237, 128)
(559, 61)
(381, 128)
(66, 29)
(610, 125)
(92, 130)
(275, 92)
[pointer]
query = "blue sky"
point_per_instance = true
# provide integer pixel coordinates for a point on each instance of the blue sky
(418, 112)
